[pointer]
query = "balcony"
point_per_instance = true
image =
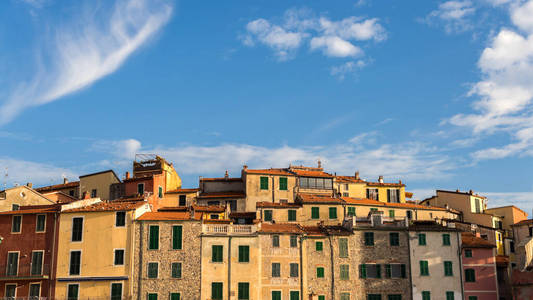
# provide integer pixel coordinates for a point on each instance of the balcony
(30, 271)
(228, 229)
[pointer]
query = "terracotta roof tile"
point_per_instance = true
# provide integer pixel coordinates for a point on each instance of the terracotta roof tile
(280, 228)
(348, 179)
(266, 204)
(469, 240)
(309, 173)
(523, 222)
(211, 208)
(58, 186)
(51, 209)
(228, 194)
(385, 184)
(108, 206)
(243, 214)
(169, 216)
(318, 198)
(364, 201)
(272, 171)
(177, 191)
(313, 231)
(173, 208)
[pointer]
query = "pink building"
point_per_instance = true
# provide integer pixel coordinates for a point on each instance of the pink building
(479, 268)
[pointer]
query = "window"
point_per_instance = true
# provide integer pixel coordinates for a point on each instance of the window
(345, 296)
(264, 183)
(40, 223)
(448, 269)
(345, 272)
(276, 295)
(372, 271)
(213, 217)
(244, 291)
(450, 295)
(321, 297)
(116, 291)
(373, 209)
(160, 192)
(294, 241)
(294, 295)
(426, 295)
(373, 297)
(275, 241)
(216, 290)
(343, 247)
(319, 246)
(140, 188)
(369, 239)
(154, 237)
(530, 231)
(315, 213)
(424, 268)
(15, 207)
(216, 255)
(472, 297)
(394, 238)
(283, 183)
(511, 246)
(421, 239)
(244, 253)
(12, 263)
(320, 272)
(276, 270)
(11, 291)
(394, 297)
(16, 224)
(446, 239)
(470, 275)
(294, 270)
(176, 270)
(77, 229)
(182, 200)
(333, 213)
(175, 296)
(152, 296)
(71, 193)
(72, 291)
(177, 232)
(93, 193)
(391, 213)
(351, 211)
(395, 270)
(119, 257)
(346, 194)
(36, 262)
(153, 269)
(268, 215)
(292, 215)
(468, 253)
(372, 194)
(35, 291)
(393, 195)
(409, 214)
(75, 262)
(120, 219)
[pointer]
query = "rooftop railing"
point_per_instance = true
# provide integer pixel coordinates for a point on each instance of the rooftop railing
(228, 229)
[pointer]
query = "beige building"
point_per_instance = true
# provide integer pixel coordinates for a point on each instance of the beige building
(355, 187)
(523, 244)
(98, 185)
(13, 198)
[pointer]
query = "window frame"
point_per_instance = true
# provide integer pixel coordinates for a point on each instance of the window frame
(424, 267)
(321, 243)
(151, 263)
(285, 184)
(344, 250)
(37, 223)
(82, 228)
(315, 213)
(268, 215)
(293, 239)
(320, 272)
(214, 256)
(469, 253)
(179, 270)
(77, 285)
(291, 215)
(70, 263)
(42, 262)
(19, 225)
(294, 271)
(218, 285)
(275, 241)
(263, 183)
(332, 213)
(448, 268)
(369, 238)
(446, 239)
(241, 287)
(351, 211)
(111, 289)
(177, 239)
(470, 275)
(115, 256)
(7, 264)
(344, 272)
(422, 241)
(143, 188)
(29, 290)
(150, 237)
(278, 270)
(121, 212)
(244, 256)
(394, 242)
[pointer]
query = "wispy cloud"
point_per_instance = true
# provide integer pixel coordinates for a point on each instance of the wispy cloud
(86, 51)
(346, 68)
(453, 15)
(523, 200)
(22, 171)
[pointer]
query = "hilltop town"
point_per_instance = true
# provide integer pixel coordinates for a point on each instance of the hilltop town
(294, 232)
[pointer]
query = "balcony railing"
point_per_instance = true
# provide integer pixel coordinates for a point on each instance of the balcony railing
(228, 229)
(37, 271)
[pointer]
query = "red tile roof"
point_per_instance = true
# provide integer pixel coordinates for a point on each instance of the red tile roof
(58, 187)
(266, 204)
(178, 191)
(229, 194)
(243, 214)
(169, 216)
(469, 240)
(313, 231)
(211, 208)
(385, 184)
(107, 206)
(41, 210)
(309, 173)
(523, 222)
(370, 202)
(280, 228)
(318, 198)
(173, 208)
(272, 171)
(348, 179)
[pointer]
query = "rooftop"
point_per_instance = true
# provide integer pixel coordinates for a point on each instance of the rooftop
(169, 216)
(280, 228)
(469, 240)
(265, 204)
(470, 193)
(228, 194)
(209, 208)
(58, 186)
(179, 191)
(108, 206)
(318, 198)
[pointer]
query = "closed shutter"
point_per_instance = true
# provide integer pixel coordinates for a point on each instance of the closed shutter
(264, 183)
(283, 183)
(362, 271)
(154, 237)
(177, 237)
(343, 247)
(315, 213)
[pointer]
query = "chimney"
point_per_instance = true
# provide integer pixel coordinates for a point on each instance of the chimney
(86, 195)
(65, 180)
(471, 192)
(226, 176)
(29, 184)
(357, 175)
(400, 181)
(127, 174)
(319, 164)
(245, 167)
(380, 179)
(457, 190)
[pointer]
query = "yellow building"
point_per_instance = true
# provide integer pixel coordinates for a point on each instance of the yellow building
(355, 187)
(95, 249)
(13, 198)
(97, 185)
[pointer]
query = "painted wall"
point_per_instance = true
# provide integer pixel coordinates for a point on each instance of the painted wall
(255, 194)
(483, 262)
(101, 182)
(22, 196)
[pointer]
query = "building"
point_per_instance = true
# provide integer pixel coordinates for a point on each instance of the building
(479, 268)
(69, 188)
(523, 244)
(28, 252)
(98, 185)
(355, 187)
(95, 249)
(522, 284)
(23, 195)
(167, 256)
(435, 266)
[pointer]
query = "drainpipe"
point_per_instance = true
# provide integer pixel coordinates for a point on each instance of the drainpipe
(460, 250)
(201, 246)
(131, 253)
(51, 284)
(273, 189)
(229, 268)
(409, 263)
(141, 250)
(301, 269)
(332, 268)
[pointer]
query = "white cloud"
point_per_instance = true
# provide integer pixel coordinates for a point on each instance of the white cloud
(279, 39)
(350, 28)
(125, 149)
(87, 51)
(522, 16)
(453, 15)
(522, 200)
(335, 46)
(22, 171)
(347, 67)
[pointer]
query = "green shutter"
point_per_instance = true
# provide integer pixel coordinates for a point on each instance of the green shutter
(315, 213)
(391, 213)
(264, 183)
(421, 239)
(283, 183)
(388, 271)
(448, 270)
(244, 253)
(446, 239)
(268, 215)
(424, 269)
(276, 295)
(362, 271)
(320, 272)
(152, 296)
(351, 211)
(244, 291)
(295, 295)
(216, 290)
(216, 255)
(369, 238)
(154, 237)
(450, 295)
(319, 246)
(176, 270)
(345, 272)
(394, 238)
(292, 215)
(321, 297)
(160, 194)
(343, 247)
(333, 213)
(426, 295)
(468, 253)
(470, 275)
(177, 237)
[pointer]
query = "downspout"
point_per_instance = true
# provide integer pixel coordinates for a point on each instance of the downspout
(273, 196)
(460, 250)
(332, 268)
(229, 268)
(301, 269)
(52, 283)
(201, 246)
(141, 250)
(409, 264)
(131, 253)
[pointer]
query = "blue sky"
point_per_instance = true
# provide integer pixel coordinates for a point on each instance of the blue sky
(436, 93)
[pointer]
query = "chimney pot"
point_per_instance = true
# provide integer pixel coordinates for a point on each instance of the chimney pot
(226, 175)
(65, 180)
(457, 190)
(357, 175)
(400, 181)
(127, 174)
(319, 164)
(380, 179)
(245, 167)
(471, 192)
(86, 195)
(29, 184)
